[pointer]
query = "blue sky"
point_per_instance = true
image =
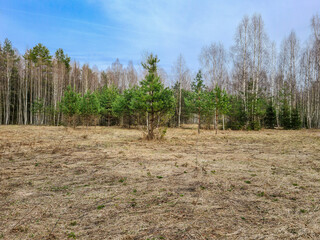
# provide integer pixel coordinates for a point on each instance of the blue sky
(99, 31)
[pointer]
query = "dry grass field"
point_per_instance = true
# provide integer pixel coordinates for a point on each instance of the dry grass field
(108, 183)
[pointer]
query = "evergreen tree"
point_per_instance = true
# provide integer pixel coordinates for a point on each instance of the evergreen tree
(285, 116)
(40, 56)
(295, 119)
(37, 107)
(107, 96)
(237, 114)
(199, 100)
(122, 107)
(221, 103)
(70, 106)
(8, 82)
(89, 108)
(270, 118)
(152, 97)
(61, 57)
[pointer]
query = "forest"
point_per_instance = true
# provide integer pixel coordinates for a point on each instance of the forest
(256, 84)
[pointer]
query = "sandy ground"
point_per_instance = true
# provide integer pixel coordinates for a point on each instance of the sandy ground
(108, 183)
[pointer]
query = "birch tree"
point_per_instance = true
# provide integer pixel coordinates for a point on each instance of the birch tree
(180, 72)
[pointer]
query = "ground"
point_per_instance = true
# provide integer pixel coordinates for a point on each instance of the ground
(109, 183)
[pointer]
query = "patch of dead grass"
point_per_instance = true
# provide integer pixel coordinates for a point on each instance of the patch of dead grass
(108, 183)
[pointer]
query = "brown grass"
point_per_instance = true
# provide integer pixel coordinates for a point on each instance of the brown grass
(108, 183)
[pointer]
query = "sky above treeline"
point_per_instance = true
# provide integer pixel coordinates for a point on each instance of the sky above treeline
(100, 31)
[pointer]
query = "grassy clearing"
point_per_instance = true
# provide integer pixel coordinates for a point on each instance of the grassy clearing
(108, 183)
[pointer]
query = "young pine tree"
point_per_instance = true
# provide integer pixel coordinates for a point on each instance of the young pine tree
(70, 106)
(285, 116)
(152, 97)
(270, 119)
(89, 108)
(200, 101)
(237, 115)
(221, 104)
(122, 108)
(107, 96)
(295, 119)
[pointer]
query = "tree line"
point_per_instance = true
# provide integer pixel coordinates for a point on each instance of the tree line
(253, 85)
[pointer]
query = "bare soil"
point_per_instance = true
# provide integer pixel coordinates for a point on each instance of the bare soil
(109, 183)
